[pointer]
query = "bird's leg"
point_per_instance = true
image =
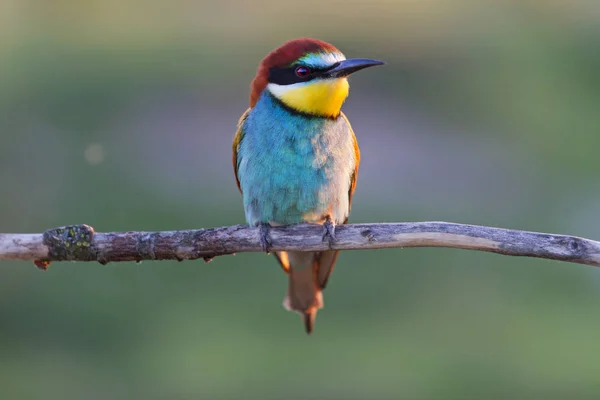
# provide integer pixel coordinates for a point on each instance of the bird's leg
(329, 234)
(265, 236)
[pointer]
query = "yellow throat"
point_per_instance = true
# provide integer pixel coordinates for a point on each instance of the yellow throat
(322, 98)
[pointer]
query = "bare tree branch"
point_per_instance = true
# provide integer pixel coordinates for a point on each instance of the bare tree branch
(81, 243)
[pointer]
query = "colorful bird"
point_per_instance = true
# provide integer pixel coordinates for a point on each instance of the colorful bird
(296, 158)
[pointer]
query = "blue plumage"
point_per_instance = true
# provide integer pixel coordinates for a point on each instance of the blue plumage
(292, 167)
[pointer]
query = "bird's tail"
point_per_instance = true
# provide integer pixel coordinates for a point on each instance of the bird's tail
(304, 292)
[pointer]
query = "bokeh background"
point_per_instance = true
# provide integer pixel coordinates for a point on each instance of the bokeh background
(121, 114)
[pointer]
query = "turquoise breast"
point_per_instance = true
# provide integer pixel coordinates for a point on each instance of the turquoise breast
(292, 167)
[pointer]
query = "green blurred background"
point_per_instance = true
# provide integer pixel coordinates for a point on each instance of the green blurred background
(121, 115)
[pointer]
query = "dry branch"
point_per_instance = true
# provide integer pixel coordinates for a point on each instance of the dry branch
(81, 243)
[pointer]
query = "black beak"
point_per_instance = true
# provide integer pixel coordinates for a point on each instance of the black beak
(347, 67)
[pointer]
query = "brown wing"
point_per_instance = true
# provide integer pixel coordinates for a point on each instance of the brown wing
(237, 139)
(283, 259)
(326, 259)
(354, 176)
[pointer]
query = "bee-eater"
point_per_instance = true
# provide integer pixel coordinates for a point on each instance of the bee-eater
(296, 158)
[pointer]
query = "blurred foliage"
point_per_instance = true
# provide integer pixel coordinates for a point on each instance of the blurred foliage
(121, 115)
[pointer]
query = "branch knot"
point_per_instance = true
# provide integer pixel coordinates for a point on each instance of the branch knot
(70, 243)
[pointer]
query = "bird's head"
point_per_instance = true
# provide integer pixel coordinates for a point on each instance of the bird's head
(308, 76)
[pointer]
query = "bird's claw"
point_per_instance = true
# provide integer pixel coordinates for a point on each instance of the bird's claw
(329, 234)
(265, 237)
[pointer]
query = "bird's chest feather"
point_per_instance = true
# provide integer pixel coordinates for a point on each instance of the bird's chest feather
(294, 168)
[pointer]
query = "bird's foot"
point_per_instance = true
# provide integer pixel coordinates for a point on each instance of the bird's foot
(265, 237)
(329, 234)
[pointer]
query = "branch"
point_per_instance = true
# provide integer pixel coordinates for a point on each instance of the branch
(81, 243)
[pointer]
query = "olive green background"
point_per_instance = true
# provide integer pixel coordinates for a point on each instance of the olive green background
(121, 114)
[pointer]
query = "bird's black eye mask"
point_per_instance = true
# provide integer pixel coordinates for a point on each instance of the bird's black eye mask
(297, 73)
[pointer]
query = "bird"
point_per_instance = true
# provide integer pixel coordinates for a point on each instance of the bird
(296, 158)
